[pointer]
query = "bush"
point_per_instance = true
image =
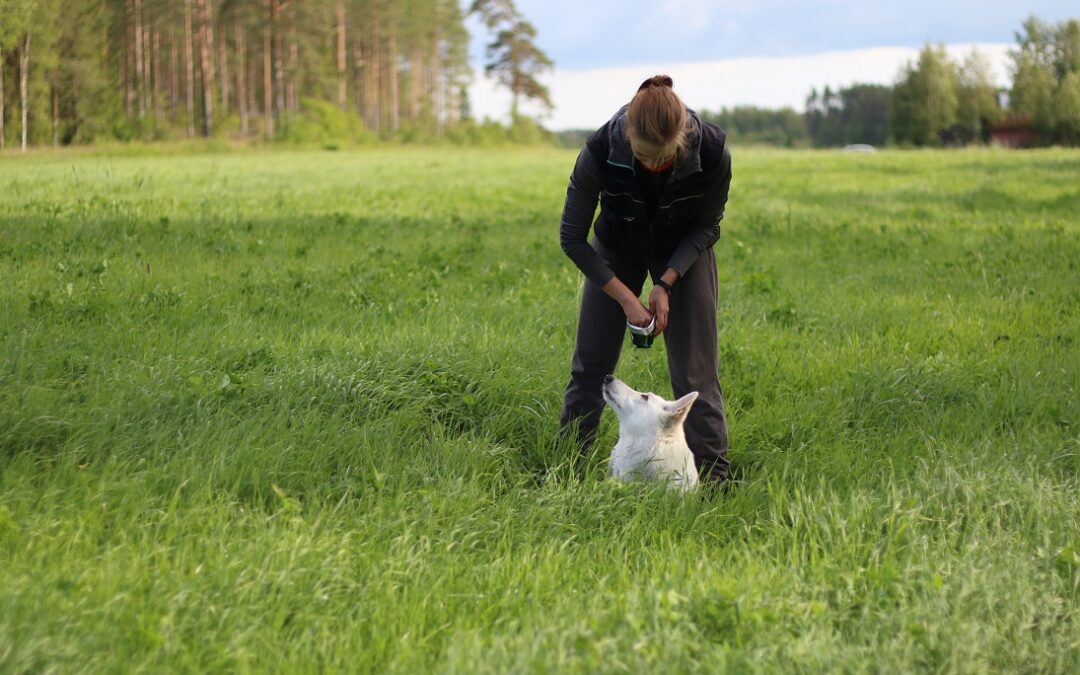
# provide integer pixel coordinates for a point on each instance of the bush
(323, 122)
(489, 133)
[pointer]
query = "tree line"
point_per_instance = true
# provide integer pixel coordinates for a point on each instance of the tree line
(937, 100)
(76, 71)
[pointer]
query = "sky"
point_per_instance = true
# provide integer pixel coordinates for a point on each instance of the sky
(723, 53)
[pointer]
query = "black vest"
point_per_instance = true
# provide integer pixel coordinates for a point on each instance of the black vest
(624, 225)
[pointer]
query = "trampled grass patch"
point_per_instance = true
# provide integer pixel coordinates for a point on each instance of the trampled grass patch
(296, 411)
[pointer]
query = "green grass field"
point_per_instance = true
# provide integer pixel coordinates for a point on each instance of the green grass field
(274, 411)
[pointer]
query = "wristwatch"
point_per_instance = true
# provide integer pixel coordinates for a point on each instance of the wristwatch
(663, 284)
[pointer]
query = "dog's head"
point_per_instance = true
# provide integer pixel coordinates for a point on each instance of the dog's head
(645, 413)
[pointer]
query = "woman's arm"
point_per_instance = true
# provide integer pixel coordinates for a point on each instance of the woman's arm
(635, 310)
(582, 195)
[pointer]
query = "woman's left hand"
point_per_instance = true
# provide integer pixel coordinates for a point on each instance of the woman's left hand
(660, 306)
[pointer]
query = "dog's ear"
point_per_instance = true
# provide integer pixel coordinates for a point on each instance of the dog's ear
(678, 410)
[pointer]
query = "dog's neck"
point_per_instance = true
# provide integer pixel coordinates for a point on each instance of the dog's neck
(644, 440)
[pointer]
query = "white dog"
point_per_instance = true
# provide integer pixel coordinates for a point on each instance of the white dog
(651, 440)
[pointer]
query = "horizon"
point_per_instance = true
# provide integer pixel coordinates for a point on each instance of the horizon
(597, 93)
(768, 54)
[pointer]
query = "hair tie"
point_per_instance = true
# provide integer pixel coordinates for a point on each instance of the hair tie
(656, 81)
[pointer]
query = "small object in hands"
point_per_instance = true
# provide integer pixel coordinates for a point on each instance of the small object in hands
(642, 336)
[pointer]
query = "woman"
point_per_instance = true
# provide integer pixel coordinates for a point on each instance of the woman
(661, 175)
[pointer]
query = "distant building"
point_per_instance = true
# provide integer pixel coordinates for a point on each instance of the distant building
(1013, 131)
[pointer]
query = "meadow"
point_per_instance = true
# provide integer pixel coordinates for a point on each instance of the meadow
(295, 411)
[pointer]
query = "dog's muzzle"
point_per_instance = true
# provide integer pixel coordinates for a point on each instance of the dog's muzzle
(605, 390)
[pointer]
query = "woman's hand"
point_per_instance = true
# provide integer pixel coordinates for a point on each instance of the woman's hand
(636, 313)
(660, 306)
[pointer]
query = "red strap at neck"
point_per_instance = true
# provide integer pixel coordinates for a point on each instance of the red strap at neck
(660, 169)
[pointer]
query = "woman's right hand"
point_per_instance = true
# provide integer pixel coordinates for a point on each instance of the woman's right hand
(637, 313)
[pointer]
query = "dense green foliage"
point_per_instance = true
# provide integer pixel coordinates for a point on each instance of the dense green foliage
(750, 124)
(295, 411)
(1046, 79)
(856, 114)
(153, 69)
(84, 71)
(937, 101)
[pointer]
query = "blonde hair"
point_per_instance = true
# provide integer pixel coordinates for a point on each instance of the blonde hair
(656, 119)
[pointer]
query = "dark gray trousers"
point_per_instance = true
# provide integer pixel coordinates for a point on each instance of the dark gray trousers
(691, 355)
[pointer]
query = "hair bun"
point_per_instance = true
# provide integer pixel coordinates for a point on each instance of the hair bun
(656, 81)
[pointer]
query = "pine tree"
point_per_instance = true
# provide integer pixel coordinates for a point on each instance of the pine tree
(512, 56)
(16, 17)
(80, 70)
(16, 37)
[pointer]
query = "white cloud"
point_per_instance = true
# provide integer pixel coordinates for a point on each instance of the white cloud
(586, 98)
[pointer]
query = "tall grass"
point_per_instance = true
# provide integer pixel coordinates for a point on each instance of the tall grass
(296, 411)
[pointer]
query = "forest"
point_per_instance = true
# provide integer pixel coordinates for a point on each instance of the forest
(80, 71)
(937, 100)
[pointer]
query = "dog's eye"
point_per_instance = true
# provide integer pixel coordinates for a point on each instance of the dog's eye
(644, 397)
